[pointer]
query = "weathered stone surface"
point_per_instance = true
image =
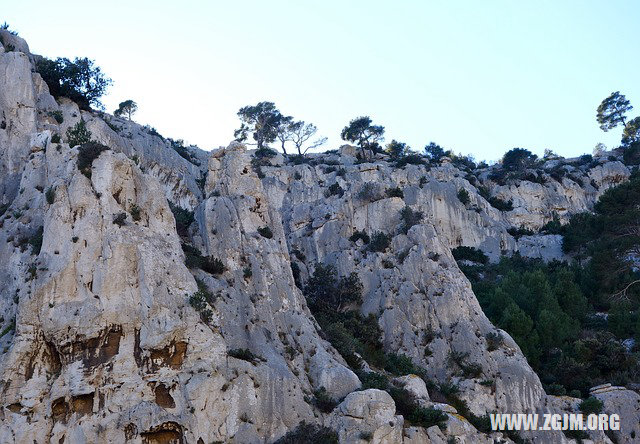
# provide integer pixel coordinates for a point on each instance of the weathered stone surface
(101, 343)
(367, 416)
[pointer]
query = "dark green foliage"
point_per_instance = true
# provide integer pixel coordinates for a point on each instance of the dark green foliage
(324, 291)
(362, 131)
(335, 190)
(135, 212)
(379, 242)
(369, 192)
(395, 192)
(518, 159)
(400, 365)
(410, 159)
(78, 134)
(463, 196)
(184, 218)
(126, 108)
(50, 195)
(323, 401)
(553, 226)
(79, 80)
(612, 111)
(494, 341)
(397, 150)
(360, 235)
(412, 412)
(36, 241)
(183, 151)
(410, 218)
(469, 253)
(265, 232)
(631, 155)
(200, 302)
(373, 380)
(462, 162)
(519, 232)
(194, 259)
(120, 219)
(435, 152)
(247, 272)
(469, 370)
(212, 265)
(500, 204)
(591, 405)
(262, 121)
(87, 153)
(546, 309)
(244, 354)
(309, 434)
(56, 138)
(57, 115)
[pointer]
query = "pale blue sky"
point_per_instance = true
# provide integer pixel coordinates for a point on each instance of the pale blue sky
(477, 77)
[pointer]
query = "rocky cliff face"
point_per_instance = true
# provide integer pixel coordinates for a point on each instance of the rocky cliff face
(100, 343)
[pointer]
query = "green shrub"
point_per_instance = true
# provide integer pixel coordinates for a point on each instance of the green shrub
(500, 204)
(36, 241)
(469, 370)
(79, 80)
(591, 405)
(410, 159)
(87, 153)
(78, 134)
(135, 212)
(325, 291)
(184, 218)
(373, 380)
(194, 259)
(323, 401)
(469, 253)
(463, 196)
(309, 433)
(409, 218)
(369, 192)
(360, 235)
(244, 354)
(519, 232)
(120, 219)
(50, 195)
(265, 232)
(395, 192)
(55, 138)
(399, 364)
(412, 412)
(57, 115)
(334, 190)
(379, 242)
(494, 341)
(199, 301)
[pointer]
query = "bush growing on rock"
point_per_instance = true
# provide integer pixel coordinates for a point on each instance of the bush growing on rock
(120, 219)
(79, 80)
(469, 253)
(78, 134)
(395, 192)
(265, 232)
(184, 218)
(370, 192)
(199, 301)
(50, 195)
(244, 354)
(87, 153)
(591, 405)
(325, 291)
(362, 131)
(379, 242)
(334, 190)
(360, 235)
(518, 159)
(55, 138)
(463, 196)
(410, 218)
(309, 433)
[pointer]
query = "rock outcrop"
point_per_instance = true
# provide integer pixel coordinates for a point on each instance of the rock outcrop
(102, 340)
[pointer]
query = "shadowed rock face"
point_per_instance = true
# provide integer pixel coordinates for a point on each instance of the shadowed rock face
(106, 347)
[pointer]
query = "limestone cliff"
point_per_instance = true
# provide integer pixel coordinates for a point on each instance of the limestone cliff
(101, 344)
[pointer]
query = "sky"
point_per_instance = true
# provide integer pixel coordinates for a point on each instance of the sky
(476, 77)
